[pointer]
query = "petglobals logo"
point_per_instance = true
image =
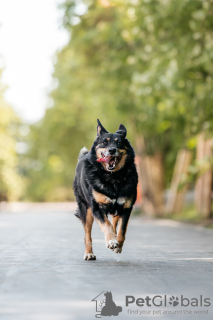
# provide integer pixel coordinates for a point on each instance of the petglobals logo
(151, 305)
(165, 300)
(105, 306)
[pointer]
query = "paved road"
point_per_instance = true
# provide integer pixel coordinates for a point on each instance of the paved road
(43, 275)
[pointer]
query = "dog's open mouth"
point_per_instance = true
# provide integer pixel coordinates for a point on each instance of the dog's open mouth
(110, 160)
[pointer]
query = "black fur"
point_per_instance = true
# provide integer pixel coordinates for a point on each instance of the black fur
(91, 175)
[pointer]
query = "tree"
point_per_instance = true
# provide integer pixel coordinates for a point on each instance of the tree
(11, 183)
(145, 63)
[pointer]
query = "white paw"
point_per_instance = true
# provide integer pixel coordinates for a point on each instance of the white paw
(89, 256)
(117, 250)
(112, 244)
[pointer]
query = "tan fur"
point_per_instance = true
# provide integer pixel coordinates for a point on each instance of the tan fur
(121, 233)
(126, 202)
(101, 198)
(121, 163)
(114, 223)
(99, 130)
(99, 156)
(107, 228)
(88, 229)
(116, 139)
(98, 152)
(122, 151)
(108, 139)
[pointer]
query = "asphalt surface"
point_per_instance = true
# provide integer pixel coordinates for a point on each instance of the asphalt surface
(43, 275)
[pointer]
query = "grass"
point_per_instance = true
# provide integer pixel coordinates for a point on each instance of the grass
(190, 215)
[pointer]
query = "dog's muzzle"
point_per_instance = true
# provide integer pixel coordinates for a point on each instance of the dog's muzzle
(111, 160)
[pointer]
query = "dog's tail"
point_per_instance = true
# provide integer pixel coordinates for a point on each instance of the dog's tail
(82, 153)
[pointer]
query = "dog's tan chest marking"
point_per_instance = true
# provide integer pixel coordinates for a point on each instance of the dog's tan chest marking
(102, 198)
(125, 202)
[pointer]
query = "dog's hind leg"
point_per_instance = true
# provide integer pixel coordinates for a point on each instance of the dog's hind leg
(89, 255)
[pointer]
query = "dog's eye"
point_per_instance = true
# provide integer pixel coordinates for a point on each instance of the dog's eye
(105, 142)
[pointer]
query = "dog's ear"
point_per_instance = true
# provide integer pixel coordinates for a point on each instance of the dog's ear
(100, 129)
(122, 130)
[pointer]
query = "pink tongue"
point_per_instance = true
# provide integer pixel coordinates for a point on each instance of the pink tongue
(101, 160)
(106, 159)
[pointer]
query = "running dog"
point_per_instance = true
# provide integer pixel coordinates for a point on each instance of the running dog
(106, 183)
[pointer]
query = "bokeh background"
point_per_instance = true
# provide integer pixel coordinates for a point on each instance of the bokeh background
(147, 64)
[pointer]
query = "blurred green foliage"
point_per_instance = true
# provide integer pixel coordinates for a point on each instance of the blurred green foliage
(145, 63)
(11, 183)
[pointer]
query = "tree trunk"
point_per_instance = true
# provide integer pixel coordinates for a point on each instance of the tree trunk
(150, 172)
(176, 197)
(155, 167)
(203, 187)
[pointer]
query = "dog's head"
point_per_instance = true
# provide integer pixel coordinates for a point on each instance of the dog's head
(112, 149)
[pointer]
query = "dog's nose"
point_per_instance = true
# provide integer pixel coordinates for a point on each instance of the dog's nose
(112, 150)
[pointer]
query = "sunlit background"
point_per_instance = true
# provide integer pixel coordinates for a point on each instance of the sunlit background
(30, 35)
(143, 63)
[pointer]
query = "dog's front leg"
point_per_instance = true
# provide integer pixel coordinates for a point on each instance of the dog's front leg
(115, 220)
(110, 236)
(122, 228)
(105, 225)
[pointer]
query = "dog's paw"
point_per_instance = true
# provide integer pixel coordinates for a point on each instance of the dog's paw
(112, 244)
(89, 256)
(117, 250)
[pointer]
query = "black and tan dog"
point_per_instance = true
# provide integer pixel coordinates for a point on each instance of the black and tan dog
(106, 183)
